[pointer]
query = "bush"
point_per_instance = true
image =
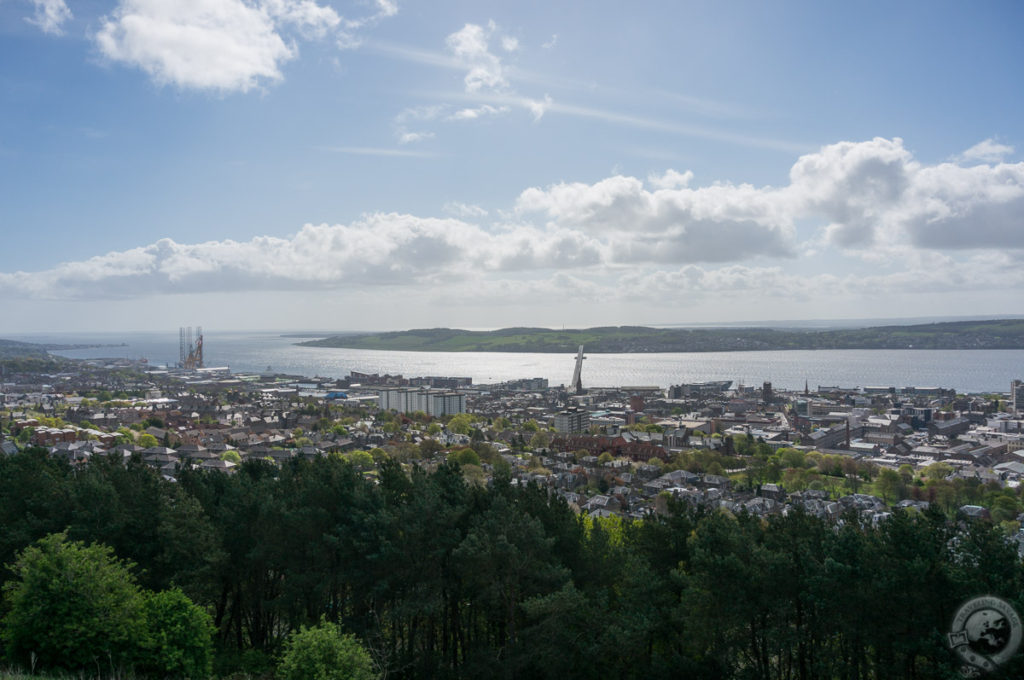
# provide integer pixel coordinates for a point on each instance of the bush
(180, 636)
(73, 607)
(77, 608)
(323, 652)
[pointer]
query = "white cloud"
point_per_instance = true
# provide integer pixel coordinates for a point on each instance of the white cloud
(306, 14)
(710, 224)
(349, 35)
(386, 8)
(212, 44)
(464, 210)
(852, 184)
(406, 137)
(927, 228)
(381, 249)
(418, 113)
(470, 46)
(224, 45)
(509, 44)
(986, 151)
(539, 106)
(875, 196)
(672, 179)
(378, 151)
(478, 112)
(552, 42)
(50, 16)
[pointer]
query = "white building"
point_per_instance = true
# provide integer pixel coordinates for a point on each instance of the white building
(432, 402)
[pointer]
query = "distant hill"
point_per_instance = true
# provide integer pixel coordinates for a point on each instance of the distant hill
(995, 334)
(12, 349)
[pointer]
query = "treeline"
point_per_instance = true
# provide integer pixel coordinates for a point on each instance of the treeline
(439, 578)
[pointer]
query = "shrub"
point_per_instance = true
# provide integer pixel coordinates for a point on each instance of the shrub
(323, 652)
(180, 636)
(73, 607)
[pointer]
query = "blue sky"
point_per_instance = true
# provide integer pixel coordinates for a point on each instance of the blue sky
(387, 164)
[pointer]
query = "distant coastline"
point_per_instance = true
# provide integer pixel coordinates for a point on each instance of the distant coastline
(958, 335)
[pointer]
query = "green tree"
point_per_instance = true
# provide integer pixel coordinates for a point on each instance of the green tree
(889, 484)
(465, 457)
(180, 636)
(231, 456)
(461, 423)
(147, 441)
(73, 607)
(363, 460)
(540, 440)
(323, 652)
(429, 448)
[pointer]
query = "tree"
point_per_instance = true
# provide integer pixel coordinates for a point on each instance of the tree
(889, 484)
(323, 652)
(74, 607)
(231, 456)
(540, 440)
(430, 447)
(148, 441)
(363, 460)
(938, 471)
(180, 636)
(461, 423)
(465, 457)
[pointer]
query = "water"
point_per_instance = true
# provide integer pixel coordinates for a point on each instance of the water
(965, 371)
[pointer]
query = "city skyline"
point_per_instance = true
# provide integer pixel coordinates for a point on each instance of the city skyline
(280, 164)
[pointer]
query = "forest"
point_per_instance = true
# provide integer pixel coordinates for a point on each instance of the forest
(436, 577)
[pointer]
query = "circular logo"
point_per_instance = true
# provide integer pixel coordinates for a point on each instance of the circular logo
(985, 633)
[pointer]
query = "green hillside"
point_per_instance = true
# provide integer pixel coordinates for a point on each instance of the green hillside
(997, 334)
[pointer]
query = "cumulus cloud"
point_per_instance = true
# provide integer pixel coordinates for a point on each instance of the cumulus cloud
(928, 228)
(225, 45)
(709, 224)
(853, 184)
(50, 16)
(875, 195)
(986, 151)
(672, 179)
(382, 249)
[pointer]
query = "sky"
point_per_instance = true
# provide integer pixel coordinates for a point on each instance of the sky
(391, 164)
